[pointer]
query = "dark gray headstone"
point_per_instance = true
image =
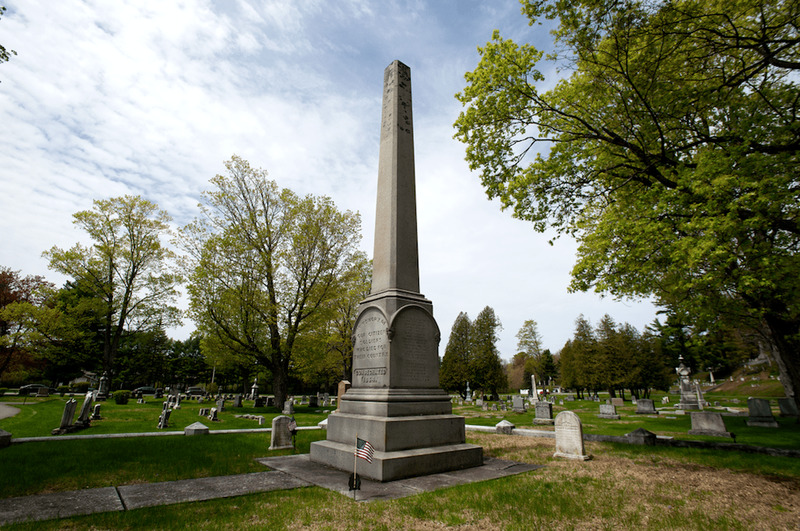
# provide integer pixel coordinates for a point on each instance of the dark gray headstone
(788, 407)
(708, 423)
(644, 406)
(608, 411)
(760, 413)
(544, 413)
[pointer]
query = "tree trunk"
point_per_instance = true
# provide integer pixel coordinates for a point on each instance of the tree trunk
(280, 387)
(786, 353)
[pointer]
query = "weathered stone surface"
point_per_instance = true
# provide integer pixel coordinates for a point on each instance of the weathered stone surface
(788, 407)
(197, 428)
(617, 402)
(544, 413)
(504, 427)
(760, 413)
(518, 404)
(281, 437)
(5, 439)
(608, 411)
(708, 423)
(644, 406)
(569, 437)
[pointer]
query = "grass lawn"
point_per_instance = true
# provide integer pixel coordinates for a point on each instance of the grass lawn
(622, 487)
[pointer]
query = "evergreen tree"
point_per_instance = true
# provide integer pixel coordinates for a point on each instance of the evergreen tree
(454, 372)
(487, 367)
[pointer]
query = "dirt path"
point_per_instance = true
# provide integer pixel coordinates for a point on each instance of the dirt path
(7, 411)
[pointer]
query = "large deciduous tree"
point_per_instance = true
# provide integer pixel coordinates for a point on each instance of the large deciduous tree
(126, 268)
(669, 150)
(266, 265)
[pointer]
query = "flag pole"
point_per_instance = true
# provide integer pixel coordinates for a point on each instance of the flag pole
(355, 466)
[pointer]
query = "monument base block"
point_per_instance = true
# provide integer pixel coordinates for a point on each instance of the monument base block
(389, 466)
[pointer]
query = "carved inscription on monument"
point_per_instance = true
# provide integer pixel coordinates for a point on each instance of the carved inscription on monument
(371, 350)
(415, 349)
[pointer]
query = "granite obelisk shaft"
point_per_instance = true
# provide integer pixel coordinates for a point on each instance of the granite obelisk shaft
(396, 258)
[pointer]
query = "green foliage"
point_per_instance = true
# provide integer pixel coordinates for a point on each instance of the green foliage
(265, 267)
(80, 387)
(121, 396)
(126, 270)
(212, 388)
(486, 367)
(3, 390)
(454, 373)
(669, 151)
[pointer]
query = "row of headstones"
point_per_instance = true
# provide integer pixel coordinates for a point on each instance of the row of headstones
(84, 419)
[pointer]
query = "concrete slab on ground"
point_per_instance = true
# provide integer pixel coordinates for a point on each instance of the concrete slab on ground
(59, 505)
(302, 467)
(191, 490)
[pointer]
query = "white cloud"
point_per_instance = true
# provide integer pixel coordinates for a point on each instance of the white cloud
(150, 97)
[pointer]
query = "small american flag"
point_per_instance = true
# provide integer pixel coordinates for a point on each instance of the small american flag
(364, 449)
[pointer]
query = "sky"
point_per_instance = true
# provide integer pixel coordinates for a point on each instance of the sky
(150, 98)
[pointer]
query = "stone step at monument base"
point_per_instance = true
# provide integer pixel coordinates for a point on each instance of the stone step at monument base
(396, 402)
(390, 466)
(388, 434)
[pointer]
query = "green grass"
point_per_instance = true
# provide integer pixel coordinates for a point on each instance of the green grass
(39, 418)
(31, 468)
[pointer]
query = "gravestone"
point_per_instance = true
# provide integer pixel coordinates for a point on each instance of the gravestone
(395, 401)
(103, 387)
(237, 401)
(569, 437)
(288, 407)
(96, 413)
(493, 407)
(42, 392)
(608, 411)
(163, 419)
(176, 402)
(788, 407)
(270, 401)
(259, 402)
(83, 416)
(708, 423)
(691, 397)
(344, 385)
(5, 439)
(504, 427)
(544, 413)
(534, 390)
(197, 428)
(665, 400)
(204, 411)
(221, 405)
(479, 402)
(212, 415)
(642, 436)
(281, 437)
(254, 390)
(760, 413)
(617, 402)
(313, 401)
(69, 414)
(518, 404)
(644, 406)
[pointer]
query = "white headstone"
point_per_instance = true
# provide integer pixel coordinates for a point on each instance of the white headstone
(569, 437)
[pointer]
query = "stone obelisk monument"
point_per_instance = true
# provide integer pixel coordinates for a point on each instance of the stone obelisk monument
(395, 401)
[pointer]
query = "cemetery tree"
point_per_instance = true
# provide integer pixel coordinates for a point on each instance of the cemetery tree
(5, 54)
(265, 267)
(486, 367)
(126, 268)
(16, 293)
(454, 372)
(669, 151)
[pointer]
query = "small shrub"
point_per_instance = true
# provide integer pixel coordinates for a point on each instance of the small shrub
(62, 389)
(122, 396)
(81, 387)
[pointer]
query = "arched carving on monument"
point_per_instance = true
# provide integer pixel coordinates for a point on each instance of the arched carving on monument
(418, 308)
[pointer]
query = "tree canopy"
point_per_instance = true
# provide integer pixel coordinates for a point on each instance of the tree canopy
(126, 269)
(265, 267)
(669, 150)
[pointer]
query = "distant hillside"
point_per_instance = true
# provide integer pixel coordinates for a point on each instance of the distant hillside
(757, 384)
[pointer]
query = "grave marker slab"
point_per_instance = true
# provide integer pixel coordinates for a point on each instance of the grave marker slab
(608, 411)
(788, 407)
(504, 427)
(96, 413)
(163, 419)
(708, 423)
(544, 413)
(197, 428)
(518, 404)
(569, 437)
(617, 402)
(644, 406)
(69, 413)
(281, 436)
(760, 413)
